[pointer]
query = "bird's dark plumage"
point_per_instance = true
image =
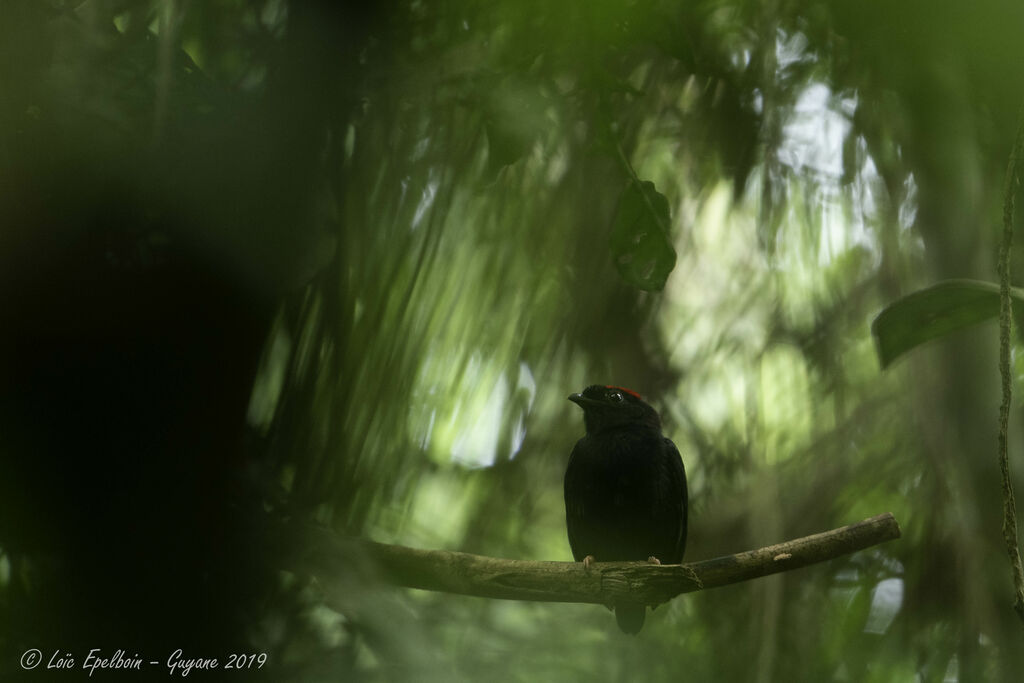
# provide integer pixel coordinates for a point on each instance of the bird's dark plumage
(625, 488)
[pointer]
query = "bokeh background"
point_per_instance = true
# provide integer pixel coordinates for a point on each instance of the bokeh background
(341, 263)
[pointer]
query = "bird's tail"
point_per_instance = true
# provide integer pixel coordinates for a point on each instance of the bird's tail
(630, 617)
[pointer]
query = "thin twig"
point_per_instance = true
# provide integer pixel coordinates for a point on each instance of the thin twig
(1009, 504)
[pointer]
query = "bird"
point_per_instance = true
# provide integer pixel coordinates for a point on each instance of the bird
(625, 489)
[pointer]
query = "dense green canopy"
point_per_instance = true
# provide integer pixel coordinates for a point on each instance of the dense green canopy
(267, 260)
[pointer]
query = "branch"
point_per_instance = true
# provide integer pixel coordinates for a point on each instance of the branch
(1005, 311)
(604, 582)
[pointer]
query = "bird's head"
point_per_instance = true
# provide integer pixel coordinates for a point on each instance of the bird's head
(610, 407)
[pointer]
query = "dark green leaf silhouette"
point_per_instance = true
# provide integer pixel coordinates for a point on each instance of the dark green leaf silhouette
(640, 243)
(933, 313)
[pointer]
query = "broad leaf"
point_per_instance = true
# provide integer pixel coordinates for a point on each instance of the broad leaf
(935, 312)
(640, 242)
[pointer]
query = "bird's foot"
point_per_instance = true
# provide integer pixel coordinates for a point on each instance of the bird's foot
(587, 561)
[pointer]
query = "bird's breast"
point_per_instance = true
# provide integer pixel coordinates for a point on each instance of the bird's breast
(621, 468)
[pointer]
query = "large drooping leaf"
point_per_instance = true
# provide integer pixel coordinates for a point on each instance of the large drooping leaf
(640, 242)
(935, 312)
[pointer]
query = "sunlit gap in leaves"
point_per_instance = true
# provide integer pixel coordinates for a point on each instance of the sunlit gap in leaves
(727, 286)
(816, 147)
(829, 192)
(465, 422)
(886, 600)
(863, 589)
(738, 383)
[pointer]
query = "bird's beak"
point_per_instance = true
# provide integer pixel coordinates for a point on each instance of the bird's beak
(582, 401)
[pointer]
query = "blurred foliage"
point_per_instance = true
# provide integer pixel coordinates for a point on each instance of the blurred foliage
(267, 259)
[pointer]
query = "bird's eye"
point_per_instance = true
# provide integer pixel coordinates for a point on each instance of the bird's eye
(615, 396)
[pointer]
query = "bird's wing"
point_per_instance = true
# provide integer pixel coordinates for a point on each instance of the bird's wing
(575, 508)
(677, 495)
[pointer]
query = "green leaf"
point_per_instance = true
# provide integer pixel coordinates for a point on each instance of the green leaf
(933, 313)
(640, 242)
